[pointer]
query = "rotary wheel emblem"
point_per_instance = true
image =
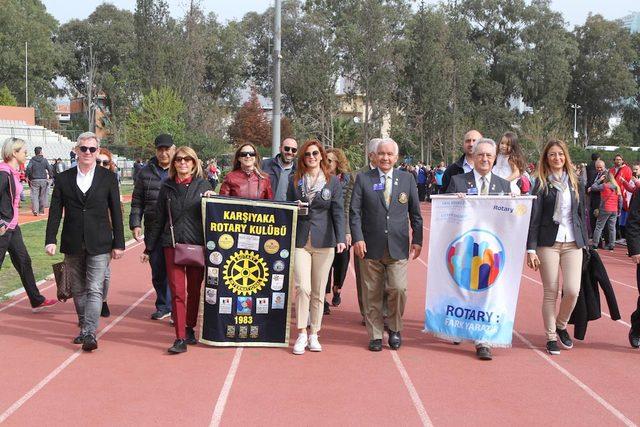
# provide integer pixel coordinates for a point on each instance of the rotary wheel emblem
(245, 273)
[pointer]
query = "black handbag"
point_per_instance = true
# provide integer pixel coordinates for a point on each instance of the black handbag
(185, 253)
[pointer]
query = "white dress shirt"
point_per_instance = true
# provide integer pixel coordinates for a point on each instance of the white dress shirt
(565, 228)
(84, 180)
(478, 179)
(466, 166)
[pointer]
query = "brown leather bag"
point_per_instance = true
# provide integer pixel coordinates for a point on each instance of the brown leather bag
(185, 253)
(63, 281)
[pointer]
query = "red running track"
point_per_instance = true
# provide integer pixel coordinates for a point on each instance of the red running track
(131, 380)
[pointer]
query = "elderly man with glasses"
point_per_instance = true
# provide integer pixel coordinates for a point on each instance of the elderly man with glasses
(281, 167)
(92, 232)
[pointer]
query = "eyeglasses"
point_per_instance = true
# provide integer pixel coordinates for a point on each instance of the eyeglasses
(290, 149)
(311, 153)
(104, 163)
(84, 149)
(179, 159)
(247, 154)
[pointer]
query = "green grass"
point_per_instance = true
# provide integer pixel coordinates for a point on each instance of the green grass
(33, 234)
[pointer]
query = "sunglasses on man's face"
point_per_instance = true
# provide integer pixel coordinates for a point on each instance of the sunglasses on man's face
(290, 149)
(104, 163)
(312, 153)
(84, 149)
(179, 159)
(246, 154)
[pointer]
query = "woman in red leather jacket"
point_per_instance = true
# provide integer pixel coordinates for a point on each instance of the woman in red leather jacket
(246, 180)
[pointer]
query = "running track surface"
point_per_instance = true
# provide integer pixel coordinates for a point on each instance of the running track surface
(131, 380)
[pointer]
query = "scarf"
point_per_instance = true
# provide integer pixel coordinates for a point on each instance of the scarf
(560, 184)
(312, 186)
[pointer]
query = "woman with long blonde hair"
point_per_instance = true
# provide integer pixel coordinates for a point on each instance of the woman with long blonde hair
(557, 234)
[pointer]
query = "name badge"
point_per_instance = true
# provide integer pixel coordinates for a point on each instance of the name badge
(472, 190)
(326, 194)
(378, 187)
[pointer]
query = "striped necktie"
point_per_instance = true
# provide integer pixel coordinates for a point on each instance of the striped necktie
(387, 190)
(484, 190)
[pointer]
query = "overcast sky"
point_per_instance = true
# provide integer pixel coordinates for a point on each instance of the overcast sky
(574, 11)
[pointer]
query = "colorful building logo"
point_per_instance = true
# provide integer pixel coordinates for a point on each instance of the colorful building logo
(475, 260)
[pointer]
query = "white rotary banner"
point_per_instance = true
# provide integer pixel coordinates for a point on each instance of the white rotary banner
(477, 246)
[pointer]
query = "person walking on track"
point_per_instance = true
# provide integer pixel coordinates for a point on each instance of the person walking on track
(14, 154)
(92, 232)
(557, 234)
(143, 206)
(39, 171)
(382, 201)
(179, 220)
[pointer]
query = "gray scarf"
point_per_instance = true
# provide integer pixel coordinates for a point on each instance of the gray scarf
(312, 186)
(560, 185)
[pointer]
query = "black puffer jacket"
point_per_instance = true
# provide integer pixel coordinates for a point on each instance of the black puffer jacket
(186, 210)
(145, 196)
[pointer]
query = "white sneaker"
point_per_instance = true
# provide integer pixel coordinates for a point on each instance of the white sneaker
(314, 344)
(300, 345)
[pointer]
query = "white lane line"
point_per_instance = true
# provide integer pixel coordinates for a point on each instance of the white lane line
(21, 290)
(18, 403)
(216, 418)
(603, 312)
(609, 407)
(417, 403)
(624, 284)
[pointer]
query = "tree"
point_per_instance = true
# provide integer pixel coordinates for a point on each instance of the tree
(28, 21)
(602, 75)
(250, 124)
(161, 111)
(153, 41)
(6, 97)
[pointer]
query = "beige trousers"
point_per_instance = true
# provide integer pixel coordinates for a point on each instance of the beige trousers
(373, 290)
(311, 271)
(565, 257)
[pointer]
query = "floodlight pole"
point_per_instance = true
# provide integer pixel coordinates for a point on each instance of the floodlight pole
(575, 107)
(26, 74)
(277, 58)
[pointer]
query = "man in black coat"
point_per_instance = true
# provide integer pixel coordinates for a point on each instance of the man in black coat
(633, 246)
(465, 163)
(281, 167)
(92, 232)
(143, 204)
(383, 203)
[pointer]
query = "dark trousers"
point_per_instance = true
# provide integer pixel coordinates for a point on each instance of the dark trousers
(12, 242)
(159, 279)
(185, 299)
(422, 192)
(339, 269)
(635, 317)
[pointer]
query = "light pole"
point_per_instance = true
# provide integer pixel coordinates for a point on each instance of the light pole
(275, 123)
(575, 107)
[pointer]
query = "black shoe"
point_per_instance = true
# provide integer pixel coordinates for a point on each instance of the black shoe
(565, 339)
(552, 347)
(159, 315)
(634, 340)
(179, 346)
(327, 310)
(191, 336)
(375, 345)
(456, 342)
(79, 339)
(89, 343)
(395, 340)
(363, 323)
(105, 312)
(484, 353)
(336, 300)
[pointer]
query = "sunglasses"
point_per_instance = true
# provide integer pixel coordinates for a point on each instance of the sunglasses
(290, 149)
(84, 149)
(311, 153)
(179, 159)
(246, 154)
(104, 163)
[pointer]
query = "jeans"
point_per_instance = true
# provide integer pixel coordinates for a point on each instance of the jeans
(87, 280)
(159, 279)
(607, 219)
(39, 193)
(13, 243)
(106, 283)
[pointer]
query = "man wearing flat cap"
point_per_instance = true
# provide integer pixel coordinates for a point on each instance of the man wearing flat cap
(143, 204)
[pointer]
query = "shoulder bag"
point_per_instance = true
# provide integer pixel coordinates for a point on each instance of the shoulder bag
(185, 253)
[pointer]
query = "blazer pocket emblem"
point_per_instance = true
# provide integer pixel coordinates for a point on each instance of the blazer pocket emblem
(403, 198)
(326, 194)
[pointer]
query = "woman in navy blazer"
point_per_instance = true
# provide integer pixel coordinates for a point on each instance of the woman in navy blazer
(317, 234)
(557, 235)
